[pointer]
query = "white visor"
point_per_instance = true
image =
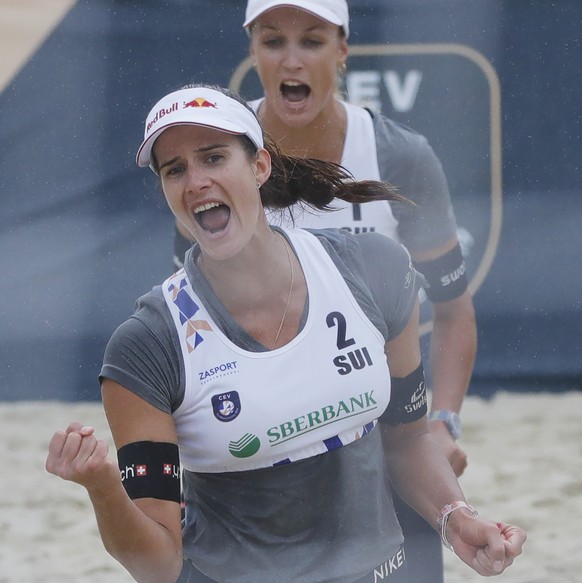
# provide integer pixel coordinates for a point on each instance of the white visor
(333, 11)
(198, 106)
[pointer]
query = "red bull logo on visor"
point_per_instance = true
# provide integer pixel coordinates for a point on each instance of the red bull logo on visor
(160, 114)
(200, 102)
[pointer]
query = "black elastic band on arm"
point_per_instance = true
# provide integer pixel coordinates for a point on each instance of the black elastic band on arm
(150, 469)
(407, 399)
(445, 276)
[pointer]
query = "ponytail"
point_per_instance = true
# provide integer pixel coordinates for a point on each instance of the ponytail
(315, 183)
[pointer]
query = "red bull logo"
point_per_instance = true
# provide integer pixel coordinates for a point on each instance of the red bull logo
(160, 114)
(199, 102)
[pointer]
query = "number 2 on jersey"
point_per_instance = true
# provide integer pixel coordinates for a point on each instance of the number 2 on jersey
(355, 359)
(339, 320)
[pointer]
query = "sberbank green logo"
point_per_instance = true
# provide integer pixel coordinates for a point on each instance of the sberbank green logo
(246, 446)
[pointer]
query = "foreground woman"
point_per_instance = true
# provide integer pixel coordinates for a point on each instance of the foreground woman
(280, 369)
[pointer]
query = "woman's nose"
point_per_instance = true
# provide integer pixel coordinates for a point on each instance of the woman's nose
(198, 181)
(292, 58)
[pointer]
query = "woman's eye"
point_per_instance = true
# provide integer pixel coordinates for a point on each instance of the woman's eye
(312, 43)
(174, 171)
(273, 43)
(214, 158)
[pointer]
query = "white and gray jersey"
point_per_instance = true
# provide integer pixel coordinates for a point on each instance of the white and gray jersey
(378, 148)
(242, 409)
(316, 507)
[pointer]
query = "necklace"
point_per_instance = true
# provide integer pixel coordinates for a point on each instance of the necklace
(290, 291)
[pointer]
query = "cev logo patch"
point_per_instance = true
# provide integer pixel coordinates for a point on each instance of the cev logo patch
(226, 406)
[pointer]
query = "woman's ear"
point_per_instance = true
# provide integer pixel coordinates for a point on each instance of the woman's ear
(262, 166)
(252, 54)
(343, 52)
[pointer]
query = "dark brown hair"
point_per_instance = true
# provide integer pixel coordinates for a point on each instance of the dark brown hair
(307, 181)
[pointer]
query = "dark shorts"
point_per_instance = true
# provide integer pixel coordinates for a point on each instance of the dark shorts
(393, 570)
(422, 544)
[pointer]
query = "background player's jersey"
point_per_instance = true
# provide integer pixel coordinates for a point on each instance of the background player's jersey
(377, 148)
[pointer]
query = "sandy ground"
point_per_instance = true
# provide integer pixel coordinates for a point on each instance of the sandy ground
(525, 467)
(24, 24)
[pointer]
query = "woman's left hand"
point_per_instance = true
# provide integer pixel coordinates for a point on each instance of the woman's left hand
(456, 456)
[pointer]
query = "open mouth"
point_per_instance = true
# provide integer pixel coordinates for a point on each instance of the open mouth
(294, 92)
(213, 217)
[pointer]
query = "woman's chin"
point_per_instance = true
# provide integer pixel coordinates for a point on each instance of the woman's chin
(297, 114)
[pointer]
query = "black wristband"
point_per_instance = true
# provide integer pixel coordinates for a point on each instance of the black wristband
(445, 277)
(408, 400)
(150, 469)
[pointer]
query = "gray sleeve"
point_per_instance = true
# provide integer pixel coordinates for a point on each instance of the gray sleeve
(392, 279)
(143, 355)
(379, 273)
(406, 160)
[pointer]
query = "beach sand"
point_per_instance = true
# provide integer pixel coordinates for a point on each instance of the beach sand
(525, 455)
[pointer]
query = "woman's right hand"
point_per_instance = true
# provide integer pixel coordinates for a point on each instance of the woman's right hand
(78, 456)
(487, 547)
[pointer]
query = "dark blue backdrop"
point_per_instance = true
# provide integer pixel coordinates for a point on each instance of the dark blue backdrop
(84, 232)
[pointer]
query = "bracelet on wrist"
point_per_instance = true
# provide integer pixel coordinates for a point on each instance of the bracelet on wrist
(451, 420)
(443, 519)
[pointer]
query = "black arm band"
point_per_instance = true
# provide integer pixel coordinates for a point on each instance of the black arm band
(150, 469)
(445, 277)
(407, 399)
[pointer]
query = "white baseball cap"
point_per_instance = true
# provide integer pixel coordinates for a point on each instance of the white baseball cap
(333, 11)
(200, 106)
